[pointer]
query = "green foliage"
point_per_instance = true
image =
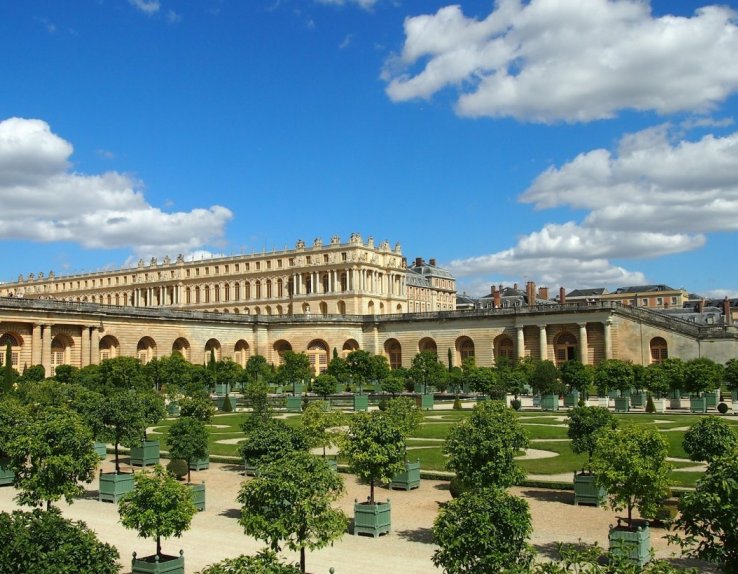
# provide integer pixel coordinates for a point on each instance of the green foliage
(674, 369)
(120, 420)
(516, 404)
(650, 407)
(380, 368)
(709, 438)
(317, 419)
(324, 385)
(375, 448)
(483, 532)
(158, 507)
(122, 374)
(575, 376)
(383, 404)
(13, 419)
(264, 562)
(256, 397)
(179, 468)
(258, 370)
(65, 374)
(200, 408)
(614, 374)
(731, 374)
(481, 449)
(457, 404)
(456, 487)
(290, 503)
(702, 375)
(339, 369)
(656, 379)
(173, 374)
(51, 454)
(630, 463)
(426, 370)
(709, 515)
(46, 543)
(271, 441)
(484, 380)
(188, 440)
(545, 378)
(360, 366)
(584, 423)
(403, 413)
(227, 404)
(294, 369)
(393, 384)
(9, 374)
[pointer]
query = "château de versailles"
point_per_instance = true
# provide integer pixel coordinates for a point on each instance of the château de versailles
(314, 299)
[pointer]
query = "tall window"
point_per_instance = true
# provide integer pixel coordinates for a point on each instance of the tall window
(565, 348)
(659, 350)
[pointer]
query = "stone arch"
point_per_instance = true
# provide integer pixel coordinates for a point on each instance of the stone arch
(214, 346)
(146, 350)
(464, 348)
(281, 347)
(317, 352)
(341, 307)
(323, 308)
(16, 345)
(109, 347)
(257, 310)
(428, 345)
(348, 346)
(565, 347)
(370, 307)
(61, 351)
(393, 351)
(399, 308)
(182, 346)
(280, 310)
(504, 349)
(659, 349)
(241, 352)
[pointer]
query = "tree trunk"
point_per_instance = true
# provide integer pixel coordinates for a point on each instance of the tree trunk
(302, 560)
(158, 545)
(117, 459)
(371, 491)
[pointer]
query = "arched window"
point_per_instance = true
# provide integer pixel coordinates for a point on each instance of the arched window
(323, 308)
(341, 307)
(393, 349)
(207, 293)
(428, 345)
(659, 350)
(280, 288)
(237, 291)
(15, 349)
(61, 347)
(146, 350)
(108, 347)
(227, 292)
(258, 289)
(504, 349)
(212, 348)
(269, 288)
(465, 348)
(217, 293)
(241, 353)
(281, 347)
(197, 294)
(182, 346)
(318, 354)
(565, 348)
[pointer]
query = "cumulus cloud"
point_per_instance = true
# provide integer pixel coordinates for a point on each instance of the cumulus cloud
(635, 197)
(44, 200)
(148, 7)
(574, 61)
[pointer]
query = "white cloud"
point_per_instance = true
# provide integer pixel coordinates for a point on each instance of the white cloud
(365, 4)
(575, 60)
(650, 197)
(44, 200)
(148, 7)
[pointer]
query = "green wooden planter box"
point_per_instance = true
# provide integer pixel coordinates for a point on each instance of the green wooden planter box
(550, 402)
(7, 474)
(408, 479)
(586, 490)
(158, 564)
(426, 402)
(621, 405)
(101, 449)
(374, 519)
(294, 404)
(632, 544)
(711, 398)
(536, 401)
(250, 469)
(698, 405)
(571, 399)
(145, 455)
(173, 409)
(638, 400)
(222, 389)
(734, 395)
(298, 389)
(113, 486)
(198, 495)
(361, 403)
(613, 394)
(200, 463)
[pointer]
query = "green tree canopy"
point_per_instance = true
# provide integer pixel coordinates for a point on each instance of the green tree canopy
(393, 384)
(584, 423)
(731, 374)
(264, 562)
(294, 369)
(545, 378)
(290, 503)
(13, 419)
(338, 367)
(656, 379)
(360, 366)
(188, 440)
(702, 375)
(481, 449)
(709, 438)
(270, 441)
(427, 370)
(483, 532)
(200, 408)
(674, 369)
(614, 374)
(324, 385)
(630, 463)
(123, 374)
(158, 507)
(403, 412)
(322, 426)
(575, 376)
(375, 448)
(257, 370)
(47, 543)
(121, 420)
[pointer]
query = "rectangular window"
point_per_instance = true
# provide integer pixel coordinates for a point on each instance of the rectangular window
(292, 261)
(660, 301)
(258, 265)
(226, 269)
(344, 257)
(673, 300)
(269, 264)
(207, 271)
(644, 302)
(279, 263)
(237, 267)
(307, 259)
(187, 272)
(217, 269)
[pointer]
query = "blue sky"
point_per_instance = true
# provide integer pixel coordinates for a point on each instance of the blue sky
(581, 143)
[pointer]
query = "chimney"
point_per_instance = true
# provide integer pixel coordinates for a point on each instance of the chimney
(530, 287)
(497, 298)
(515, 286)
(700, 305)
(562, 296)
(432, 262)
(418, 262)
(726, 311)
(543, 293)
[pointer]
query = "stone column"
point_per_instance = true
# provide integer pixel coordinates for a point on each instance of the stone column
(608, 339)
(520, 347)
(543, 342)
(583, 343)
(36, 344)
(85, 347)
(46, 349)
(94, 345)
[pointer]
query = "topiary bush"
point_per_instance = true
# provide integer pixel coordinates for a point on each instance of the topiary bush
(650, 407)
(722, 408)
(382, 404)
(456, 487)
(227, 405)
(516, 404)
(457, 404)
(178, 468)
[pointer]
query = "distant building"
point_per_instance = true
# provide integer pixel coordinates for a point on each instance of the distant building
(651, 296)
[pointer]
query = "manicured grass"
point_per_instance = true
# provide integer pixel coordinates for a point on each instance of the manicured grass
(536, 431)
(567, 461)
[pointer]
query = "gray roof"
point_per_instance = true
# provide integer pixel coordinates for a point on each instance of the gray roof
(587, 292)
(643, 289)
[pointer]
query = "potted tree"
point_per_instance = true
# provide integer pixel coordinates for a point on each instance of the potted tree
(701, 376)
(618, 375)
(290, 503)
(674, 369)
(375, 449)
(158, 507)
(637, 394)
(630, 463)
(146, 452)
(12, 417)
(656, 381)
(731, 379)
(576, 378)
(267, 442)
(545, 381)
(188, 441)
(321, 427)
(201, 409)
(709, 438)
(405, 415)
(584, 423)
(426, 371)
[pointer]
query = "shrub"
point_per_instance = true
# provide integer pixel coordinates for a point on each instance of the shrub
(516, 404)
(382, 404)
(227, 405)
(709, 438)
(456, 487)
(457, 404)
(722, 408)
(178, 468)
(348, 388)
(265, 562)
(650, 407)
